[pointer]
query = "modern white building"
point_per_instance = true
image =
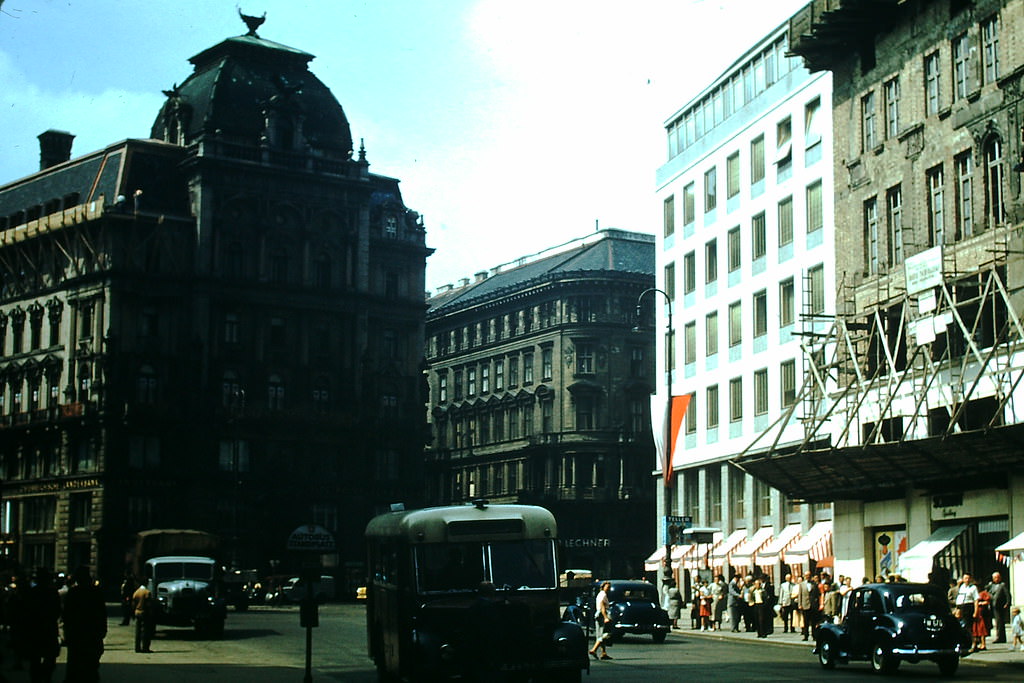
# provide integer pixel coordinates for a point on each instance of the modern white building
(746, 256)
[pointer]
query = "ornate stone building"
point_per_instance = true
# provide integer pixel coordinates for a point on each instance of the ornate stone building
(220, 327)
(540, 393)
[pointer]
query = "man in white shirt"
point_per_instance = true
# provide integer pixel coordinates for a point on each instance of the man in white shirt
(966, 599)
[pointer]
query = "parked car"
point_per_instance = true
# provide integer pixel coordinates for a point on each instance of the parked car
(294, 590)
(634, 609)
(890, 623)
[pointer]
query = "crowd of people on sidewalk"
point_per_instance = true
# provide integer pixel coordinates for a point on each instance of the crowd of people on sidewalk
(753, 604)
(42, 613)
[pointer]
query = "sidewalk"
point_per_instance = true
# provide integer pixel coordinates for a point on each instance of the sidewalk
(996, 653)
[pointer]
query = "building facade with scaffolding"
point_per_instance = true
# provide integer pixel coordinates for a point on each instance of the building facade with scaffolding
(914, 420)
(746, 255)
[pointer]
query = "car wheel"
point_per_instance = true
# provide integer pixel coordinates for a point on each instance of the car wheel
(882, 661)
(826, 653)
(949, 665)
(659, 636)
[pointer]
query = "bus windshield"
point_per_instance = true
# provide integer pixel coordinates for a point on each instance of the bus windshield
(509, 565)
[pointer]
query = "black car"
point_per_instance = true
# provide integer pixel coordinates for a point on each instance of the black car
(890, 623)
(634, 609)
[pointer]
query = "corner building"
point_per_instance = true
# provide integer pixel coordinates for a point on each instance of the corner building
(219, 327)
(540, 394)
(918, 441)
(747, 257)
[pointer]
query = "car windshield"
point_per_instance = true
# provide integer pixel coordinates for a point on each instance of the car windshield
(169, 571)
(918, 602)
(633, 593)
(508, 565)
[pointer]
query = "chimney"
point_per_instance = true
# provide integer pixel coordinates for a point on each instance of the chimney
(54, 148)
(481, 276)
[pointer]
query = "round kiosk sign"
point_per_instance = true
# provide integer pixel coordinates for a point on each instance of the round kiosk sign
(311, 538)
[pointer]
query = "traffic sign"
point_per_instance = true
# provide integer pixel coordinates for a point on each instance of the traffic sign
(311, 538)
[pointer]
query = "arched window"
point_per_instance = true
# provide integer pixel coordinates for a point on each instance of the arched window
(994, 172)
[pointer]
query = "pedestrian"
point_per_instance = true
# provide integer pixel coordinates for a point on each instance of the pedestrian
(1017, 628)
(786, 594)
(128, 585)
(673, 603)
(85, 627)
(762, 608)
(602, 621)
(705, 606)
(807, 602)
(42, 635)
(717, 590)
(980, 626)
(966, 598)
(734, 602)
(144, 610)
(1000, 607)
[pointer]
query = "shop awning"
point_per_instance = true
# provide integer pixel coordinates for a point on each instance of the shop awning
(1015, 543)
(772, 552)
(696, 554)
(743, 555)
(916, 564)
(815, 545)
(653, 563)
(721, 552)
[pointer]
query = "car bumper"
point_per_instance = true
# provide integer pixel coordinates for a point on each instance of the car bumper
(641, 628)
(914, 653)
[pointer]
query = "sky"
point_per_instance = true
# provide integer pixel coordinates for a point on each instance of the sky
(513, 125)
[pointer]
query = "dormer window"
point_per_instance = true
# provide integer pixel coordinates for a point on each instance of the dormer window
(391, 227)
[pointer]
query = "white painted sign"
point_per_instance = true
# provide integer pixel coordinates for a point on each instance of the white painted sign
(924, 270)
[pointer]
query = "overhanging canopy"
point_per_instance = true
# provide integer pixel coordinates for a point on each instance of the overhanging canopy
(885, 470)
(815, 545)
(1015, 543)
(771, 553)
(916, 564)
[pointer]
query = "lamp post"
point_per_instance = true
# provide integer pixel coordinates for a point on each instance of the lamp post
(667, 466)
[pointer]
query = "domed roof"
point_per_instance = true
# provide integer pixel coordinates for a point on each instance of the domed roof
(242, 83)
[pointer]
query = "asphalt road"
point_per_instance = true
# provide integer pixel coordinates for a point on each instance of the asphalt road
(264, 645)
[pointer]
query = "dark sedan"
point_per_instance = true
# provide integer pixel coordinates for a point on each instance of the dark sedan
(634, 609)
(890, 623)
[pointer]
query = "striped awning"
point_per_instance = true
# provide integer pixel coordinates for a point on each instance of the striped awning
(653, 562)
(696, 554)
(815, 545)
(772, 552)
(916, 564)
(743, 555)
(721, 552)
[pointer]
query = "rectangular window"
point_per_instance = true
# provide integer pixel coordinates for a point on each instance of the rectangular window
(816, 289)
(711, 333)
(546, 364)
(868, 134)
(711, 261)
(936, 216)
(670, 280)
(761, 391)
(894, 202)
(669, 219)
(732, 175)
(585, 358)
(932, 93)
(689, 204)
(892, 108)
(499, 375)
(964, 195)
(712, 406)
(871, 236)
(691, 415)
(784, 142)
(442, 387)
(690, 342)
(527, 368)
(758, 239)
(735, 255)
(812, 125)
(994, 181)
(757, 160)
(710, 189)
(637, 362)
(736, 399)
(485, 378)
(735, 323)
(787, 379)
(815, 210)
(990, 48)
(785, 221)
(787, 303)
(689, 272)
(760, 313)
(962, 66)
(471, 382)
(513, 372)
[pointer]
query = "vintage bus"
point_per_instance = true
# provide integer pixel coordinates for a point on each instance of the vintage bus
(470, 592)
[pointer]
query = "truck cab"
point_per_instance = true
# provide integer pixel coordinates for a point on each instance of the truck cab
(187, 592)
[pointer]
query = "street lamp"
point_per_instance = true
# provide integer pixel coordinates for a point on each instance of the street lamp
(667, 450)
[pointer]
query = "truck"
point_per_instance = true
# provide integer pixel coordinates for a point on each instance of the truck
(181, 569)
